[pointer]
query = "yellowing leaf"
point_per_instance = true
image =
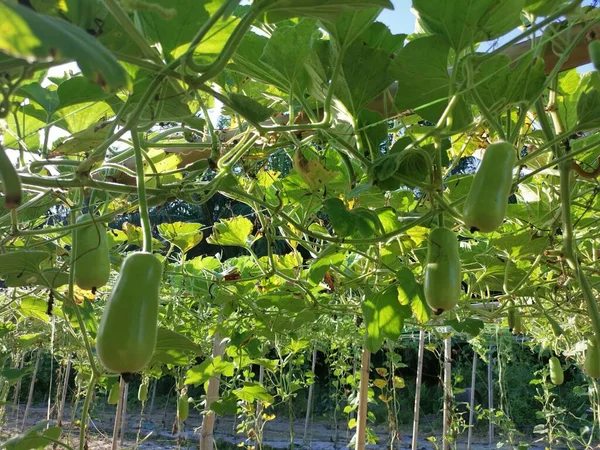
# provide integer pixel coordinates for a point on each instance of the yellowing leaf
(380, 383)
(234, 232)
(312, 171)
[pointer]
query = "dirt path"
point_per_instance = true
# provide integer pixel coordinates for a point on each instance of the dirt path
(156, 432)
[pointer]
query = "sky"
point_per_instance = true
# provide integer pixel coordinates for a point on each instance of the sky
(401, 19)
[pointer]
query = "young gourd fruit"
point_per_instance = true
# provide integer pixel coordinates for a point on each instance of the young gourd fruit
(515, 322)
(442, 272)
(113, 394)
(592, 359)
(487, 201)
(556, 372)
(92, 258)
(11, 183)
(127, 332)
(183, 407)
(594, 52)
(143, 392)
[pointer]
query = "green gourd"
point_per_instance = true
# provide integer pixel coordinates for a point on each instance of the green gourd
(556, 372)
(487, 202)
(113, 394)
(592, 359)
(11, 183)
(594, 52)
(92, 258)
(127, 331)
(143, 392)
(183, 407)
(442, 272)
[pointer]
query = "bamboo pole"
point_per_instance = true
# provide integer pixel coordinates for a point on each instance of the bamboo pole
(447, 391)
(311, 389)
(472, 402)
(32, 386)
(415, 436)
(363, 399)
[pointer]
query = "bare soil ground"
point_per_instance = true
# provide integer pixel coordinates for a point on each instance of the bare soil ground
(155, 431)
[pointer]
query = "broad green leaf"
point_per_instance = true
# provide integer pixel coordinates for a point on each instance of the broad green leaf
(247, 60)
(378, 35)
(588, 106)
(349, 25)
(77, 90)
(421, 69)
(82, 116)
(35, 307)
(289, 65)
(250, 108)
(227, 404)
(22, 263)
(320, 9)
(468, 325)
(361, 63)
(236, 231)
(373, 130)
(47, 98)
(384, 317)
(341, 219)
(13, 375)
(168, 105)
(210, 367)
(183, 235)
(176, 23)
(367, 222)
(411, 293)
(500, 86)
(28, 340)
(319, 267)
(82, 141)
(251, 392)
(36, 437)
(464, 23)
(170, 340)
(37, 37)
(542, 7)
(26, 126)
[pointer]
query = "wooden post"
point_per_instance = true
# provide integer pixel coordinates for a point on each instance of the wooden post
(311, 389)
(32, 386)
(212, 394)
(415, 437)
(115, 437)
(490, 397)
(151, 409)
(124, 413)
(472, 403)
(65, 388)
(363, 396)
(447, 391)
(18, 390)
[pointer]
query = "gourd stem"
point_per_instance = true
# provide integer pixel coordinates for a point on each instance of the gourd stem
(439, 177)
(141, 188)
(568, 247)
